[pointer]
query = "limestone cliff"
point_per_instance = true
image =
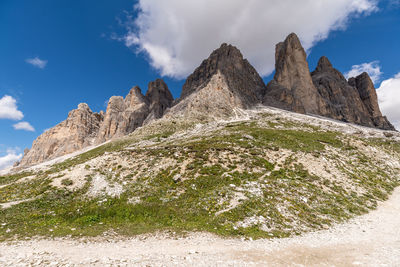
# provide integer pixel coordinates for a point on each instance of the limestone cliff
(224, 81)
(76, 132)
(292, 87)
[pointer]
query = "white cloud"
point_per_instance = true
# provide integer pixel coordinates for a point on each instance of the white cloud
(8, 160)
(389, 99)
(177, 34)
(372, 68)
(9, 109)
(24, 125)
(37, 62)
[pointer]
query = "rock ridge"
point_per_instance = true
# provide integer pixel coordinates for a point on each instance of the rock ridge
(241, 77)
(325, 91)
(84, 128)
(223, 83)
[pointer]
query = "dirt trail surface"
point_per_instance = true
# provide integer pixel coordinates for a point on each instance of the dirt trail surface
(369, 240)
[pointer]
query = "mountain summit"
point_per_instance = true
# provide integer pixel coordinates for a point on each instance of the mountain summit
(324, 92)
(224, 81)
(84, 128)
(292, 87)
(241, 77)
(224, 84)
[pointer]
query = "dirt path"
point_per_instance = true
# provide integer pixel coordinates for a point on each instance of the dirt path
(370, 240)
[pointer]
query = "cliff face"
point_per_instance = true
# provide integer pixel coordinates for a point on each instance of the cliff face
(292, 87)
(83, 128)
(76, 132)
(159, 98)
(366, 89)
(323, 92)
(343, 100)
(123, 116)
(224, 81)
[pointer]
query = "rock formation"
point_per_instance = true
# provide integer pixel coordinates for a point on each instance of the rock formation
(324, 92)
(292, 87)
(123, 116)
(222, 82)
(76, 132)
(83, 128)
(343, 100)
(367, 92)
(160, 99)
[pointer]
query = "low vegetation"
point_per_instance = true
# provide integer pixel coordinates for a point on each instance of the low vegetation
(259, 178)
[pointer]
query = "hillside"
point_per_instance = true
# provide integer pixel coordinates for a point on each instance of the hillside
(262, 173)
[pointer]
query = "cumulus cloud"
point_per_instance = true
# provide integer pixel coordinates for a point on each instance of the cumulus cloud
(389, 99)
(37, 62)
(9, 109)
(177, 34)
(24, 125)
(372, 68)
(8, 160)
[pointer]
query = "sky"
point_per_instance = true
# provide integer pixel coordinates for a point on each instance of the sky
(57, 54)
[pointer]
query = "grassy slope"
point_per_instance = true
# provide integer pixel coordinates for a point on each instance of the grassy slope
(229, 170)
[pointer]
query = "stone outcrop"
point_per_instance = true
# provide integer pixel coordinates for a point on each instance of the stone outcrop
(292, 87)
(367, 92)
(123, 116)
(222, 82)
(83, 128)
(241, 77)
(324, 92)
(343, 100)
(76, 132)
(160, 99)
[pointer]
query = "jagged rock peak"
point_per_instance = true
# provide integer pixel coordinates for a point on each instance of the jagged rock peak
(83, 106)
(368, 95)
(324, 65)
(242, 79)
(343, 100)
(159, 98)
(291, 61)
(76, 132)
(218, 59)
(135, 97)
(367, 92)
(292, 40)
(157, 90)
(292, 87)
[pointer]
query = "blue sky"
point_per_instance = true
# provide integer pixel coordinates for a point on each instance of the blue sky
(57, 54)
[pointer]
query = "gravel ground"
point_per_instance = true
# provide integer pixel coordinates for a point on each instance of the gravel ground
(369, 240)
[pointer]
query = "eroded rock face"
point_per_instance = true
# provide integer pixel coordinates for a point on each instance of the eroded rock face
(343, 100)
(292, 87)
(241, 78)
(76, 132)
(214, 101)
(367, 92)
(324, 92)
(83, 128)
(222, 82)
(160, 99)
(123, 116)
